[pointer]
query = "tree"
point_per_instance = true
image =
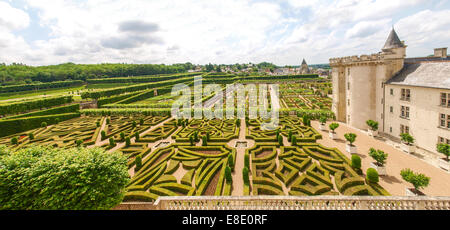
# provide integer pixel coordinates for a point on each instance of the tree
(280, 140)
(230, 161)
(379, 156)
(138, 163)
(136, 136)
(112, 142)
(47, 178)
(247, 160)
(127, 141)
(444, 149)
(356, 162)
(323, 120)
(245, 176)
(204, 141)
(31, 136)
(407, 138)
(372, 124)
(103, 134)
(122, 136)
(191, 140)
(334, 126)
(350, 137)
(418, 180)
(14, 141)
(294, 141)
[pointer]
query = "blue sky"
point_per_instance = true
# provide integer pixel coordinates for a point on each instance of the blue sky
(41, 32)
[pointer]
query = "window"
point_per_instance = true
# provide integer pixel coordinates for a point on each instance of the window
(406, 95)
(348, 85)
(404, 129)
(348, 102)
(444, 121)
(445, 99)
(391, 109)
(390, 129)
(404, 113)
(442, 140)
(392, 91)
(348, 71)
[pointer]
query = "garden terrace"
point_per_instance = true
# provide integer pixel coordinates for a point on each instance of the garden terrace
(219, 130)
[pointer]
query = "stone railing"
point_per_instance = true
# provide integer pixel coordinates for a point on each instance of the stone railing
(292, 203)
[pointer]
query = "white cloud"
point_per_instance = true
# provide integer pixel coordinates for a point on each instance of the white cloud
(216, 31)
(13, 18)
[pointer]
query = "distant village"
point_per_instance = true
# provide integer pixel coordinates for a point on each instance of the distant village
(264, 68)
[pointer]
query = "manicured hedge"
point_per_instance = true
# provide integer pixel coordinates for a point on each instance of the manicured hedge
(134, 88)
(140, 79)
(12, 126)
(25, 106)
(58, 110)
(39, 86)
(113, 99)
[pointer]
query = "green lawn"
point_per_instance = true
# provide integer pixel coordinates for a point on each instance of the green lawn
(32, 94)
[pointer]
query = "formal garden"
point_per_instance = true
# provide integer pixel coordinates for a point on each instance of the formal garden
(130, 148)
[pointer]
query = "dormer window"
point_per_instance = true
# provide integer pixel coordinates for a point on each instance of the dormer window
(406, 95)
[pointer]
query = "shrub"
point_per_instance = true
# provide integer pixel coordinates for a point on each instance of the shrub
(356, 162)
(407, 138)
(350, 137)
(418, 180)
(108, 121)
(294, 141)
(78, 143)
(238, 122)
(334, 126)
(280, 140)
(31, 136)
(14, 140)
(290, 136)
(306, 120)
(127, 141)
(46, 178)
(44, 124)
(112, 142)
(228, 176)
(379, 156)
(444, 149)
(196, 138)
(208, 136)
(56, 120)
(134, 124)
(98, 124)
(141, 121)
(204, 141)
(122, 136)
(372, 175)
(245, 176)
(103, 133)
(191, 140)
(323, 120)
(372, 124)
(230, 161)
(247, 160)
(136, 136)
(138, 163)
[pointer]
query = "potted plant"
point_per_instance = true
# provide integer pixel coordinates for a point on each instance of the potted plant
(350, 137)
(444, 162)
(418, 180)
(333, 126)
(380, 158)
(373, 130)
(408, 141)
(323, 121)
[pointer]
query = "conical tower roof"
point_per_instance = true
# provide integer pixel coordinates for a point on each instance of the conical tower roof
(393, 41)
(304, 62)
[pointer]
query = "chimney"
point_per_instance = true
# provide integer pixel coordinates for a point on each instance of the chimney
(440, 52)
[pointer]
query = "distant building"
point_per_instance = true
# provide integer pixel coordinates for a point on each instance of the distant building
(304, 69)
(405, 95)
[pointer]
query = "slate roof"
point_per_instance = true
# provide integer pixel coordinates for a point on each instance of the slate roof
(393, 41)
(424, 74)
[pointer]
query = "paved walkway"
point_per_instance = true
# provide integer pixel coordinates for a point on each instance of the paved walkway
(397, 160)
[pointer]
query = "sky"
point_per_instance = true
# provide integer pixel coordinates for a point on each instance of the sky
(47, 32)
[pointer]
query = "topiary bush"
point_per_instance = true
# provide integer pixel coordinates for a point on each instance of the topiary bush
(228, 176)
(245, 176)
(323, 120)
(247, 160)
(294, 141)
(98, 124)
(138, 163)
(136, 136)
(127, 142)
(78, 143)
(108, 121)
(372, 124)
(230, 161)
(31, 136)
(356, 162)
(280, 140)
(112, 142)
(372, 175)
(141, 121)
(103, 134)
(46, 178)
(14, 141)
(191, 140)
(44, 124)
(204, 141)
(122, 136)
